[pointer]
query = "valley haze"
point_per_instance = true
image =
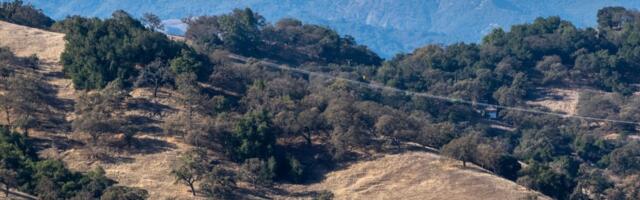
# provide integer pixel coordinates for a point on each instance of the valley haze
(386, 26)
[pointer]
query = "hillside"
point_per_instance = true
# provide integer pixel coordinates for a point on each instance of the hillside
(387, 26)
(146, 170)
(417, 175)
(25, 41)
(403, 176)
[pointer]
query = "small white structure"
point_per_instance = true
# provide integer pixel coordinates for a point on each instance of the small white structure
(491, 112)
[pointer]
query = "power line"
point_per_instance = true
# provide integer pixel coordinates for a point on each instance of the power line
(436, 97)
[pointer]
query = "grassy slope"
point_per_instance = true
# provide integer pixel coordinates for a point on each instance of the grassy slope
(416, 175)
(148, 170)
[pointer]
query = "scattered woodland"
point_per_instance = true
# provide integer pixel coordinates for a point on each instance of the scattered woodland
(288, 127)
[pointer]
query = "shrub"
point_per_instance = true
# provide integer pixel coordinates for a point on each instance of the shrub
(48, 179)
(258, 172)
(218, 184)
(124, 193)
(254, 137)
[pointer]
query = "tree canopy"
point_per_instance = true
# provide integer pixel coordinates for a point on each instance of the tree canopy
(246, 32)
(100, 51)
(49, 179)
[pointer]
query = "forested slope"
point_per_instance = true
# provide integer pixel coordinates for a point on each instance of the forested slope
(150, 170)
(224, 127)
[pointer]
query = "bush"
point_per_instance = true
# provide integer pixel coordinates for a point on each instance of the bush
(258, 172)
(626, 159)
(296, 170)
(545, 180)
(323, 195)
(254, 137)
(508, 167)
(49, 179)
(189, 62)
(218, 184)
(124, 193)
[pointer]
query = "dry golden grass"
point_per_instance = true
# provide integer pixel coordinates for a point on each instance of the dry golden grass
(150, 171)
(404, 176)
(567, 101)
(416, 175)
(46, 45)
(25, 41)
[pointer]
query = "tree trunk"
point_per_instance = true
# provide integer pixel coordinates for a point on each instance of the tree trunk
(155, 90)
(308, 138)
(307, 135)
(8, 117)
(94, 139)
(189, 121)
(193, 189)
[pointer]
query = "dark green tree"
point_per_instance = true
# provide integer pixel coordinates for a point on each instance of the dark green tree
(542, 145)
(188, 62)
(254, 136)
(100, 51)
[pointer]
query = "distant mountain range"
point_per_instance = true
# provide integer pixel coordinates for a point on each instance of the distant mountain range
(387, 26)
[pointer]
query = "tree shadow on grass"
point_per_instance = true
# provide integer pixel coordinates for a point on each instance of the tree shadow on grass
(297, 195)
(139, 146)
(55, 141)
(51, 115)
(147, 145)
(143, 124)
(317, 159)
(115, 159)
(146, 106)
